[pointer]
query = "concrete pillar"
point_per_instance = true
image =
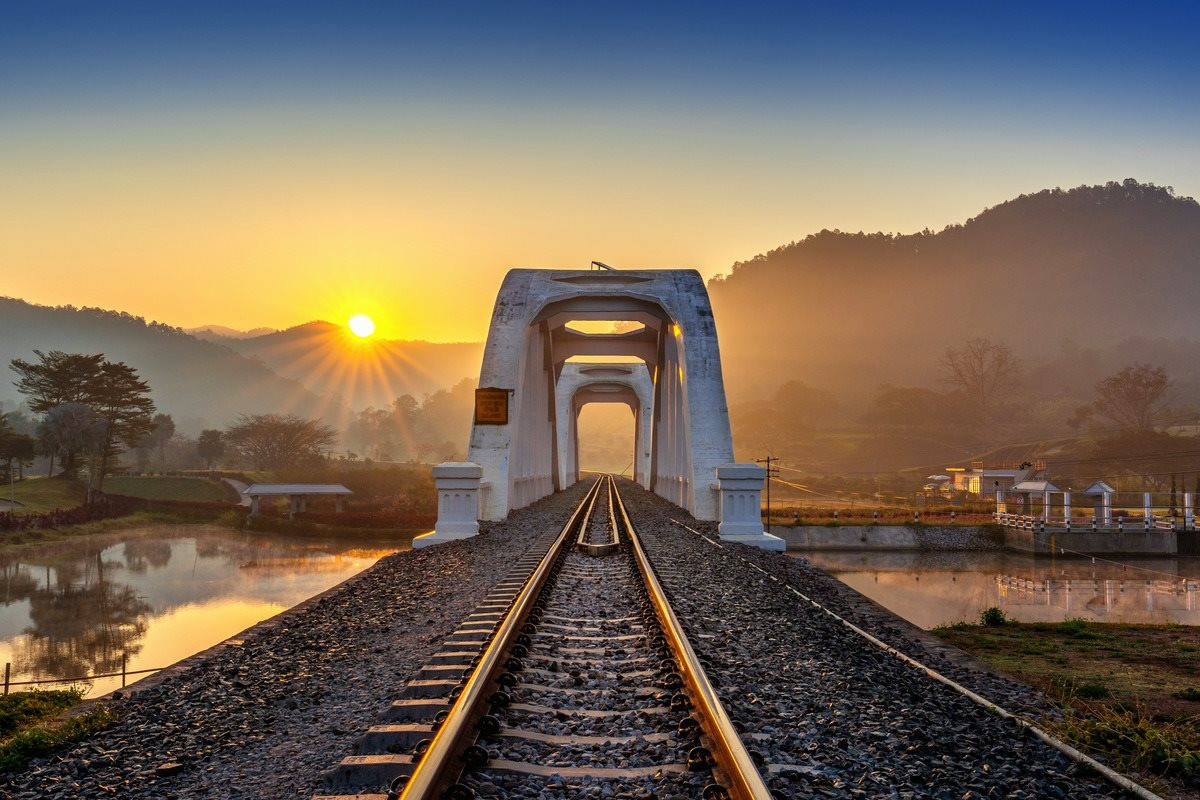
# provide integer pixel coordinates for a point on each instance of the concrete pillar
(740, 487)
(458, 503)
(1067, 509)
(1045, 506)
(337, 503)
(303, 503)
(1106, 509)
(1146, 509)
(1189, 513)
(254, 505)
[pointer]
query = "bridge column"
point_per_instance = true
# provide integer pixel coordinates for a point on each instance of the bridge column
(740, 487)
(458, 503)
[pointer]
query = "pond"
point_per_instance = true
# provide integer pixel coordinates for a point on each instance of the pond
(157, 594)
(931, 589)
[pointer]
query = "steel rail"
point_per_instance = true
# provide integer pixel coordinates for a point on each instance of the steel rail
(745, 781)
(443, 760)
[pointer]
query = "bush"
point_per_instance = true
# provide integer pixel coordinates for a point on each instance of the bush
(993, 617)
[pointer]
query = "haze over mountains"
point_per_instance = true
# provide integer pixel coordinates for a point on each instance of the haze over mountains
(1078, 283)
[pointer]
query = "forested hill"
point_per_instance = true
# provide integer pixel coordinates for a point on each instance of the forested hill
(1094, 265)
(199, 383)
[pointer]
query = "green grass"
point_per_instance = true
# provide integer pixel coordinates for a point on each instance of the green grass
(1128, 690)
(171, 488)
(38, 495)
(28, 729)
(20, 710)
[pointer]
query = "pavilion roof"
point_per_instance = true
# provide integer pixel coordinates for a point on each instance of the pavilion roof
(272, 489)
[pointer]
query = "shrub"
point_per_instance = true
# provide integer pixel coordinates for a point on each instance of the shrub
(993, 617)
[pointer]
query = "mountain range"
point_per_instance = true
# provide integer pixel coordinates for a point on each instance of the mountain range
(1078, 282)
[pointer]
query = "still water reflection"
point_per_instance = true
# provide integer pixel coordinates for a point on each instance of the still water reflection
(157, 594)
(931, 589)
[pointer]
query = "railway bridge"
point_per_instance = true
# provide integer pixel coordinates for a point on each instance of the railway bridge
(544, 360)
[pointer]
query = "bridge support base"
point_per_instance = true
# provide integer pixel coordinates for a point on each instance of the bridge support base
(741, 486)
(458, 503)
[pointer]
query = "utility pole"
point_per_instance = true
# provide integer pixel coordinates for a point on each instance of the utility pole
(770, 471)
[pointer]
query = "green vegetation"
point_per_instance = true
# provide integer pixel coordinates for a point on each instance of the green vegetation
(993, 617)
(38, 495)
(1129, 690)
(232, 518)
(28, 730)
(171, 488)
(22, 709)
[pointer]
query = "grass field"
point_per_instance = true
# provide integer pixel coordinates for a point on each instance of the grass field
(170, 488)
(1136, 687)
(38, 495)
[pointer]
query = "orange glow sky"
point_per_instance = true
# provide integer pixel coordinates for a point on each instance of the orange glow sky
(256, 167)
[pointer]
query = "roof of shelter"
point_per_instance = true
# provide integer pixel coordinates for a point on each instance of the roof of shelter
(1034, 486)
(265, 489)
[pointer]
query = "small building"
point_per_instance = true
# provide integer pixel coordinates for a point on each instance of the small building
(297, 494)
(985, 481)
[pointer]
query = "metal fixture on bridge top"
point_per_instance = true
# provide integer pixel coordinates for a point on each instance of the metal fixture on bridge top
(601, 265)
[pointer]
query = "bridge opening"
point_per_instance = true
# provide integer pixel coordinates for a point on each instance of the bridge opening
(606, 438)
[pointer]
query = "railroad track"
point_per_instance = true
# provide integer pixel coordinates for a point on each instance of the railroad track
(573, 679)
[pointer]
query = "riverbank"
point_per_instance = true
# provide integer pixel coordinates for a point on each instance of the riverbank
(1134, 689)
(949, 538)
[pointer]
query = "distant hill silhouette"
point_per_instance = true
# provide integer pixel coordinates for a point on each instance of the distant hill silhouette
(330, 360)
(1089, 267)
(217, 333)
(201, 384)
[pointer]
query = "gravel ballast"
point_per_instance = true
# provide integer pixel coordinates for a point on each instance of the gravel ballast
(266, 718)
(846, 718)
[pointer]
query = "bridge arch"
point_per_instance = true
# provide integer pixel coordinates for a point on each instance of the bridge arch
(581, 383)
(529, 343)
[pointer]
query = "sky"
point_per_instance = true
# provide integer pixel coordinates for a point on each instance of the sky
(270, 163)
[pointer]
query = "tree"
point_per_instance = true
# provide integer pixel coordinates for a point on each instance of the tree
(121, 399)
(276, 441)
(57, 378)
(69, 430)
(164, 429)
(1134, 398)
(14, 446)
(210, 446)
(985, 371)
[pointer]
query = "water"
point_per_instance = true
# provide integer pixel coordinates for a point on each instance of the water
(931, 589)
(157, 594)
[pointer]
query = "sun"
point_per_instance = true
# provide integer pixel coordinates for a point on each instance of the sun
(361, 325)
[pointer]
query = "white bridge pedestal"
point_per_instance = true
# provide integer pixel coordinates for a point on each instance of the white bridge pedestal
(741, 486)
(458, 503)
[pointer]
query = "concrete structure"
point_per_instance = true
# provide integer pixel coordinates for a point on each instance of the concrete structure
(581, 383)
(741, 506)
(529, 343)
(1102, 494)
(297, 494)
(458, 503)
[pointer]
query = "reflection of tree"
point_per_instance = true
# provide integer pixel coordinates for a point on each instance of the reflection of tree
(81, 625)
(146, 552)
(16, 583)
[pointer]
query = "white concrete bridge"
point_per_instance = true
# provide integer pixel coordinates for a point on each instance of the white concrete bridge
(540, 367)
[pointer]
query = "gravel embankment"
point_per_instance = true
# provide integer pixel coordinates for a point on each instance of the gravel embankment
(850, 719)
(265, 719)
